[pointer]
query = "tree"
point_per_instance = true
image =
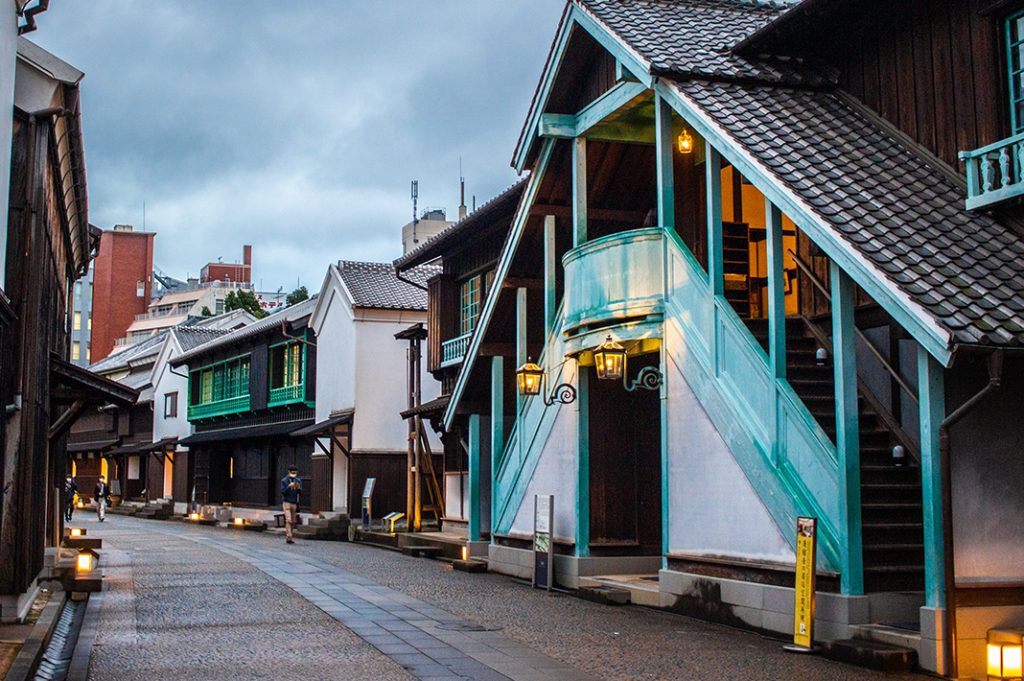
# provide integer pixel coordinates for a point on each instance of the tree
(296, 296)
(244, 300)
(206, 312)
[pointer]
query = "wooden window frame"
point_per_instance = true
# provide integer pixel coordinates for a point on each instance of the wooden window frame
(1015, 76)
(171, 404)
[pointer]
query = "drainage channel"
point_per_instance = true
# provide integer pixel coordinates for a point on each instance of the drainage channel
(56, 660)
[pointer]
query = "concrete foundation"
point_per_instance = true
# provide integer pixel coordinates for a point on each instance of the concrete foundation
(568, 569)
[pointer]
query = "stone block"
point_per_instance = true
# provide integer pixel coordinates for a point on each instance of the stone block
(605, 595)
(843, 609)
(745, 594)
(871, 654)
(779, 599)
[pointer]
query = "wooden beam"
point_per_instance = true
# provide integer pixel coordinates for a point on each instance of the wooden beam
(523, 282)
(844, 362)
(605, 105)
(579, 191)
(663, 159)
(713, 166)
(67, 419)
(550, 303)
(497, 418)
(776, 291)
(611, 214)
(558, 126)
(473, 521)
(583, 463)
(932, 405)
(497, 350)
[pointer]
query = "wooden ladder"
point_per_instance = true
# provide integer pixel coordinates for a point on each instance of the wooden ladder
(436, 505)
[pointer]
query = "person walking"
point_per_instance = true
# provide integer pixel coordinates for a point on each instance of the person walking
(291, 488)
(100, 496)
(70, 490)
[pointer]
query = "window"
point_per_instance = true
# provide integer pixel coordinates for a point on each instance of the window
(219, 307)
(78, 321)
(470, 296)
(170, 405)
(88, 352)
(1015, 63)
(88, 321)
(76, 350)
(78, 290)
(286, 365)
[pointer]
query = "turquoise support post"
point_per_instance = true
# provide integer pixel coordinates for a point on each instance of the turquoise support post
(497, 418)
(776, 291)
(579, 191)
(550, 280)
(932, 405)
(663, 143)
(714, 187)
(522, 355)
(474, 478)
(844, 361)
(583, 464)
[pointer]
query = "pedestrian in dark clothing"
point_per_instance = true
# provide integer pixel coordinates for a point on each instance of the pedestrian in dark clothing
(70, 490)
(291, 488)
(102, 493)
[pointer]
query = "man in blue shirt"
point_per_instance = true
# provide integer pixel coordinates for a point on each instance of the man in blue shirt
(291, 488)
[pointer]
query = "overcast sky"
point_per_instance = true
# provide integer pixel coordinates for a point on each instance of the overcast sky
(295, 126)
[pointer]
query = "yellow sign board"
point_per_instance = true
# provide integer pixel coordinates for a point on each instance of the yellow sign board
(806, 550)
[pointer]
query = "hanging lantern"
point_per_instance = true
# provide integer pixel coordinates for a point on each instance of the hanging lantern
(610, 360)
(685, 142)
(529, 378)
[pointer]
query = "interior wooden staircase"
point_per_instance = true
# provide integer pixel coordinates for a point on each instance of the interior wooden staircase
(891, 506)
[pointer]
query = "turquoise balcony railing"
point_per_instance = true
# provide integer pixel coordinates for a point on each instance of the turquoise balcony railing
(231, 405)
(995, 173)
(287, 394)
(452, 351)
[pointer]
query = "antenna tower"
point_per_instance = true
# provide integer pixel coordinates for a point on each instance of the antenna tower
(415, 220)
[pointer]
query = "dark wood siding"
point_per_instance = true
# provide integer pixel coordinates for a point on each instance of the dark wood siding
(442, 318)
(322, 483)
(259, 391)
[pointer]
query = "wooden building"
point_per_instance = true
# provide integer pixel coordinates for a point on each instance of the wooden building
(821, 309)
(49, 244)
(248, 391)
(468, 254)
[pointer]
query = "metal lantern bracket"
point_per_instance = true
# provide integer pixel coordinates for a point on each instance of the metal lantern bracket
(563, 392)
(649, 378)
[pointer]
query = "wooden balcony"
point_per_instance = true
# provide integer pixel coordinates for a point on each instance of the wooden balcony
(995, 173)
(452, 351)
(231, 405)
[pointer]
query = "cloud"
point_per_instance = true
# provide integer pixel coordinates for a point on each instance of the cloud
(295, 127)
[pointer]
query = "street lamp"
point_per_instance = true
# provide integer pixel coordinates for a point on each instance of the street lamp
(86, 560)
(75, 532)
(610, 360)
(530, 381)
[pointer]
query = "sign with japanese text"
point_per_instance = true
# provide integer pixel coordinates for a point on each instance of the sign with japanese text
(806, 550)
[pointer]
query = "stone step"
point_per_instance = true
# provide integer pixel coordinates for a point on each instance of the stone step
(603, 594)
(876, 655)
(421, 551)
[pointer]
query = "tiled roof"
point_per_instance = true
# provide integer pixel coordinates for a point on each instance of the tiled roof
(289, 314)
(193, 336)
(478, 219)
(376, 285)
(886, 199)
(121, 359)
(694, 38)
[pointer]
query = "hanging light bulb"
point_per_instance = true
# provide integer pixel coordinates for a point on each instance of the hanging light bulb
(685, 142)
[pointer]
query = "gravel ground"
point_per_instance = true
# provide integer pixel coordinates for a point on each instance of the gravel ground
(177, 626)
(174, 610)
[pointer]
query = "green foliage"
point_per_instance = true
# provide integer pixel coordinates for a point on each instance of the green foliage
(297, 296)
(206, 312)
(244, 300)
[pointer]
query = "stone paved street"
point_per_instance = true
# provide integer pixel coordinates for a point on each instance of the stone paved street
(191, 602)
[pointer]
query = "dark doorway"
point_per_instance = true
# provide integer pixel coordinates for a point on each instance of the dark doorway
(625, 465)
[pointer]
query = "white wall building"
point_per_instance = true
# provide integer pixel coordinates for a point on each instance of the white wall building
(362, 376)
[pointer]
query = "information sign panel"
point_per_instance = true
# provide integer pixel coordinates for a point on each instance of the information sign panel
(366, 508)
(543, 546)
(806, 563)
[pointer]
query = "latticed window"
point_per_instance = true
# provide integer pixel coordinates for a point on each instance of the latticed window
(470, 297)
(293, 365)
(286, 365)
(206, 386)
(1015, 62)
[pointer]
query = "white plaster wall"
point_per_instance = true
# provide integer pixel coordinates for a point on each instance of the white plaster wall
(555, 474)
(713, 509)
(381, 391)
(335, 357)
(165, 382)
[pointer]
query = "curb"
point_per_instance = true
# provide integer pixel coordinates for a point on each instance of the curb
(79, 668)
(31, 652)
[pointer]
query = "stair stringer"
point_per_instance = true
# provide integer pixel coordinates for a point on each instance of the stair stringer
(782, 451)
(526, 442)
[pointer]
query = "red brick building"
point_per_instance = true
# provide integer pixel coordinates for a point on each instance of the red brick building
(122, 283)
(222, 271)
